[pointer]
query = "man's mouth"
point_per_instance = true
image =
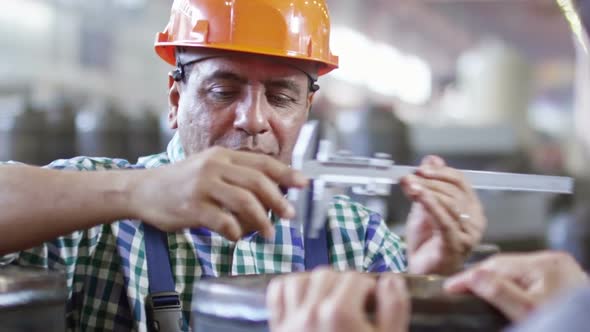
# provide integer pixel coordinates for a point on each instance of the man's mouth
(258, 151)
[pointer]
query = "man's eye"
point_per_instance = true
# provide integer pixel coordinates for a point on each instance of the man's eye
(279, 99)
(223, 94)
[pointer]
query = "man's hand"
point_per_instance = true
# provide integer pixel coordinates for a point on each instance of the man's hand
(446, 221)
(226, 191)
(328, 301)
(518, 284)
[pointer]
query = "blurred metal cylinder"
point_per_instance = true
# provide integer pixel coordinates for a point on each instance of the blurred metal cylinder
(61, 130)
(102, 131)
(32, 300)
(10, 106)
(143, 134)
(22, 135)
(237, 304)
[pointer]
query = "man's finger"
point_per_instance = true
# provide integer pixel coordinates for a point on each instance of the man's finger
(465, 197)
(441, 220)
(434, 161)
(451, 203)
(471, 227)
(245, 206)
(419, 230)
(446, 174)
(393, 304)
(354, 289)
(459, 283)
(434, 185)
(275, 169)
(219, 221)
(321, 283)
(275, 301)
(296, 290)
(266, 190)
(502, 293)
(508, 266)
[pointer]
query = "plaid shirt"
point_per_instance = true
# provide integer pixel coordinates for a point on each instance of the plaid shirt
(107, 272)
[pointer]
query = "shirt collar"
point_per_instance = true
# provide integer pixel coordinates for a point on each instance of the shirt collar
(175, 150)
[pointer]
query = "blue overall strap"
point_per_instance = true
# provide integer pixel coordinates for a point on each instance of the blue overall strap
(162, 305)
(315, 250)
(156, 248)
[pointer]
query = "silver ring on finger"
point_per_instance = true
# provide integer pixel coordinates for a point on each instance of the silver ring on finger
(464, 217)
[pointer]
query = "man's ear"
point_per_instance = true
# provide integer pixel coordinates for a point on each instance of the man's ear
(310, 100)
(173, 100)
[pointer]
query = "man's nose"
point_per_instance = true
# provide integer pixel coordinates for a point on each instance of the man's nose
(252, 114)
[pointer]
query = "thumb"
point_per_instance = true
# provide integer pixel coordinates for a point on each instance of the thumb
(502, 293)
(433, 160)
(418, 229)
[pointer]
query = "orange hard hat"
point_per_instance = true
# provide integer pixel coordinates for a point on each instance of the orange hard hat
(297, 29)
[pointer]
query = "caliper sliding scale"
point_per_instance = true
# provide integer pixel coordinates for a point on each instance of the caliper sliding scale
(375, 176)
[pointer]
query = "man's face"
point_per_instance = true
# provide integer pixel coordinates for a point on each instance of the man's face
(242, 103)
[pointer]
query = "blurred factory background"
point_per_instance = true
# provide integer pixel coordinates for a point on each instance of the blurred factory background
(488, 85)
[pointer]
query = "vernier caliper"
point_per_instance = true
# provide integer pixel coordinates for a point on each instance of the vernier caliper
(375, 176)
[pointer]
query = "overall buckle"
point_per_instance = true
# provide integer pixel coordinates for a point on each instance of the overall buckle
(164, 312)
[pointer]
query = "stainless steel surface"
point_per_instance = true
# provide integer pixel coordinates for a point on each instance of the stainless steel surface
(242, 300)
(33, 284)
(32, 300)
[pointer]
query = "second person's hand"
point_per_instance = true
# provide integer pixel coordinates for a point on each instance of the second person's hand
(519, 283)
(329, 301)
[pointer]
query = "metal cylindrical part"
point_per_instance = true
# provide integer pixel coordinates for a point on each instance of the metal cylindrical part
(238, 304)
(32, 300)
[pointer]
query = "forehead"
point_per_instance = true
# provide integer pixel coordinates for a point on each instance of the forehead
(252, 68)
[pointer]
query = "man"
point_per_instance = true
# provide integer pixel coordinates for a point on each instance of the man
(243, 86)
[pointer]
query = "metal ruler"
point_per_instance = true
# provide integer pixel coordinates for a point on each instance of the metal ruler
(346, 172)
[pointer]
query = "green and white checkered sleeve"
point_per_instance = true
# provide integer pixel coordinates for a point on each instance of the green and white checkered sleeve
(384, 250)
(361, 240)
(64, 251)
